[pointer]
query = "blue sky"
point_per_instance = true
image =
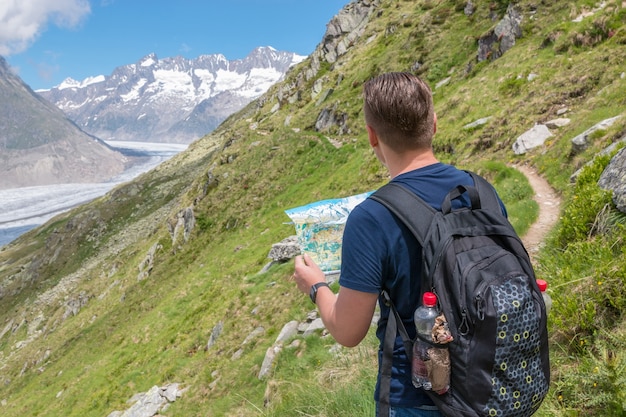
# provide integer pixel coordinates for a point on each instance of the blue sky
(46, 41)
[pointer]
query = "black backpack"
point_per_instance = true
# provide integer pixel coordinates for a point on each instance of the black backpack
(485, 284)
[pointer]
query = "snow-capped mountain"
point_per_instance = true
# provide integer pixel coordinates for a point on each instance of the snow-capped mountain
(175, 100)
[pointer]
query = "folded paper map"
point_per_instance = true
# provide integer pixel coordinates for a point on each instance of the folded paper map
(319, 228)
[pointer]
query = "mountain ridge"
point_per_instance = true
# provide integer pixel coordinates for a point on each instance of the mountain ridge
(173, 99)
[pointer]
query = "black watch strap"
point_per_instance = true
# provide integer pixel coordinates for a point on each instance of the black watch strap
(314, 288)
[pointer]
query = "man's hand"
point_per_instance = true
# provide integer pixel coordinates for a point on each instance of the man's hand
(307, 273)
(347, 315)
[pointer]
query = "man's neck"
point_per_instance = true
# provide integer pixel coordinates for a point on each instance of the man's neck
(399, 164)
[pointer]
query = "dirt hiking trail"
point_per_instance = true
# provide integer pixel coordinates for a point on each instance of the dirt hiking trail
(549, 210)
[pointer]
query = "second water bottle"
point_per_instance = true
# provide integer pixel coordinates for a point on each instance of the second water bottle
(424, 318)
(431, 360)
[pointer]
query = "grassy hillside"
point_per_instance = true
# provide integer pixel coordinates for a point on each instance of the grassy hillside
(106, 301)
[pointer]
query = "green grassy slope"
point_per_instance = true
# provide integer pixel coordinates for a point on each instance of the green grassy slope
(80, 333)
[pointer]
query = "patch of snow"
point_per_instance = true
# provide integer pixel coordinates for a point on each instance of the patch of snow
(177, 84)
(259, 81)
(297, 59)
(71, 105)
(148, 62)
(228, 80)
(72, 83)
(135, 92)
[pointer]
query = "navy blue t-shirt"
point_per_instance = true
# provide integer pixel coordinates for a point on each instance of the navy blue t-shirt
(378, 252)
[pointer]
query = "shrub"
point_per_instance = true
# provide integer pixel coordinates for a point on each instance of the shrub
(581, 212)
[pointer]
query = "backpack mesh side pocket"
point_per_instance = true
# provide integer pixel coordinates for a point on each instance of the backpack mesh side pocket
(518, 380)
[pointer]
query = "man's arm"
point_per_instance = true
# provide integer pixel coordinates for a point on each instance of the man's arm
(347, 315)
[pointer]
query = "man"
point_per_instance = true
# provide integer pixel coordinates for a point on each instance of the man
(378, 251)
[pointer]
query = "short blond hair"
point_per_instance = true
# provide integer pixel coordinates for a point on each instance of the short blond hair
(399, 107)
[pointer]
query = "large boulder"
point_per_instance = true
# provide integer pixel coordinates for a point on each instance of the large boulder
(614, 179)
(530, 139)
(502, 38)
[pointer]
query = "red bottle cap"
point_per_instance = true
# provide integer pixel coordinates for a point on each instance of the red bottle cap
(543, 285)
(430, 299)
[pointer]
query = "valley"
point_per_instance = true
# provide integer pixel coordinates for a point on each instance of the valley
(22, 209)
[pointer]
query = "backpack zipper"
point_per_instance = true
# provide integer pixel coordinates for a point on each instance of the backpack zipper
(464, 326)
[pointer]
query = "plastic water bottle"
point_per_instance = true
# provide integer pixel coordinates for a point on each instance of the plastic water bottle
(424, 318)
(543, 286)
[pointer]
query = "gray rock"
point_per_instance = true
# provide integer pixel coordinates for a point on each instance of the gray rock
(330, 117)
(442, 82)
(74, 304)
(477, 123)
(285, 250)
(606, 151)
(345, 28)
(557, 123)
(562, 111)
(530, 139)
(171, 392)
(150, 403)
(254, 334)
(314, 326)
(502, 37)
(509, 28)
(581, 142)
(268, 361)
(614, 179)
(237, 355)
(289, 330)
(215, 333)
(145, 267)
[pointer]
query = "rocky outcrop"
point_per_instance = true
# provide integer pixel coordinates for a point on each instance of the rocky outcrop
(614, 179)
(344, 29)
(215, 334)
(580, 142)
(74, 304)
(342, 32)
(181, 228)
(291, 331)
(149, 404)
(502, 38)
(332, 117)
(145, 267)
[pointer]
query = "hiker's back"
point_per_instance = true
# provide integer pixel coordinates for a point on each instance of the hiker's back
(476, 264)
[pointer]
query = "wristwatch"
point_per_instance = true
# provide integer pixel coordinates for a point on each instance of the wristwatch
(315, 287)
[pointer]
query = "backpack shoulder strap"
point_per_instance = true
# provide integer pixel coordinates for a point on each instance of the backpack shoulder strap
(417, 215)
(404, 204)
(394, 325)
(488, 197)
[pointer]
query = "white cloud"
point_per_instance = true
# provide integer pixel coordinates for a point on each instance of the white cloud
(21, 21)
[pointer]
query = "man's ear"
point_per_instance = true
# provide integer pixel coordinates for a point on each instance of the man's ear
(372, 136)
(435, 123)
